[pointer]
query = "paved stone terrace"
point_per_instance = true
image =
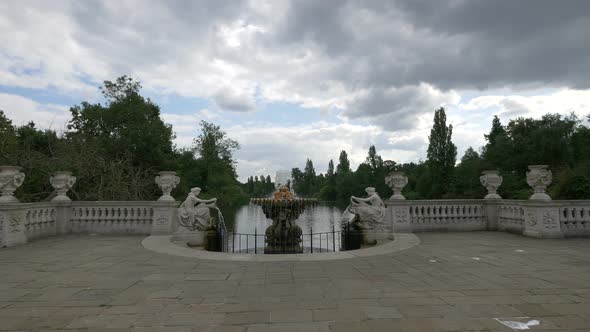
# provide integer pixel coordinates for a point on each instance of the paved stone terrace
(450, 282)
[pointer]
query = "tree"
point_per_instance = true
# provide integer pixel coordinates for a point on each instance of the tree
(328, 190)
(8, 140)
(215, 153)
(128, 126)
(309, 179)
(330, 171)
(497, 129)
(373, 159)
(343, 164)
(297, 177)
(442, 154)
(465, 181)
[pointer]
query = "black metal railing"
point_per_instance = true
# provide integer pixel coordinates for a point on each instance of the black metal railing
(319, 242)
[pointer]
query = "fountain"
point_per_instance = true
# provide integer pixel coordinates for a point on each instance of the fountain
(283, 236)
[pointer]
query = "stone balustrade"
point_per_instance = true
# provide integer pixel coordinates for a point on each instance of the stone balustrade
(111, 217)
(447, 215)
(511, 217)
(538, 217)
(574, 218)
(437, 215)
(39, 221)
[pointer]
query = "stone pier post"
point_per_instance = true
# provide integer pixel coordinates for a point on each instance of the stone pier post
(63, 213)
(164, 220)
(12, 225)
(541, 220)
(398, 214)
(491, 210)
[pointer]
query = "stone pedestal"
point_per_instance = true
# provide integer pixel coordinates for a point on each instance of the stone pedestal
(63, 212)
(542, 221)
(164, 221)
(12, 226)
(283, 237)
(491, 211)
(399, 215)
(192, 238)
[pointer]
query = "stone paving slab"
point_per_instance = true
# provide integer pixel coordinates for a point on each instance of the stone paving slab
(447, 282)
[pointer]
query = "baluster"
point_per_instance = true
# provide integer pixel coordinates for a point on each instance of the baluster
(575, 217)
(93, 220)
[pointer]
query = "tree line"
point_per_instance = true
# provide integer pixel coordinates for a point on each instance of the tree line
(259, 186)
(116, 149)
(562, 142)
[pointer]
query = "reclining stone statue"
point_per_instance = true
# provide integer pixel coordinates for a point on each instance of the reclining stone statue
(369, 211)
(193, 216)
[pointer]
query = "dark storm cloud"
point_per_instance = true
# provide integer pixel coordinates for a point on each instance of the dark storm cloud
(396, 109)
(450, 44)
(384, 61)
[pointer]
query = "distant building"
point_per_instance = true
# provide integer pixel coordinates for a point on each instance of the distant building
(282, 178)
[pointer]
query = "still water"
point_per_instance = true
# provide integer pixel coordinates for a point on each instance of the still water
(246, 219)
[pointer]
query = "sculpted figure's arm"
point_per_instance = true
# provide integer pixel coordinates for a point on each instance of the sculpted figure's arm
(355, 199)
(376, 200)
(211, 201)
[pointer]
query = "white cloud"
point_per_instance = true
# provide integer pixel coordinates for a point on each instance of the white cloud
(382, 63)
(22, 110)
(562, 101)
(266, 149)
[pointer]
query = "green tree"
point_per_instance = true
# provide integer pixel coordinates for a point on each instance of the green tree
(309, 179)
(442, 154)
(465, 182)
(373, 159)
(297, 180)
(330, 171)
(328, 191)
(8, 140)
(497, 130)
(215, 154)
(343, 164)
(127, 127)
(214, 151)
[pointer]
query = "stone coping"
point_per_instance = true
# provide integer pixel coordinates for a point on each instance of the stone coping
(163, 244)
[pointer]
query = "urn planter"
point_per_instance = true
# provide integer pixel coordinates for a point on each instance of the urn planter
(62, 182)
(11, 178)
(396, 181)
(539, 177)
(492, 181)
(167, 181)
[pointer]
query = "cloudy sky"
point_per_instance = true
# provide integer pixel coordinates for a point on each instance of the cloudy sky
(292, 80)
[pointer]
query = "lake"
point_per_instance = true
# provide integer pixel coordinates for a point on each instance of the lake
(319, 220)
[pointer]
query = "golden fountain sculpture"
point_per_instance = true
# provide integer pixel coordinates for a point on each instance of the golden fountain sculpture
(284, 236)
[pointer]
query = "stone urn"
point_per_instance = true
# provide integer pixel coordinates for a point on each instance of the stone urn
(396, 181)
(11, 178)
(62, 182)
(539, 177)
(492, 181)
(167, 181)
